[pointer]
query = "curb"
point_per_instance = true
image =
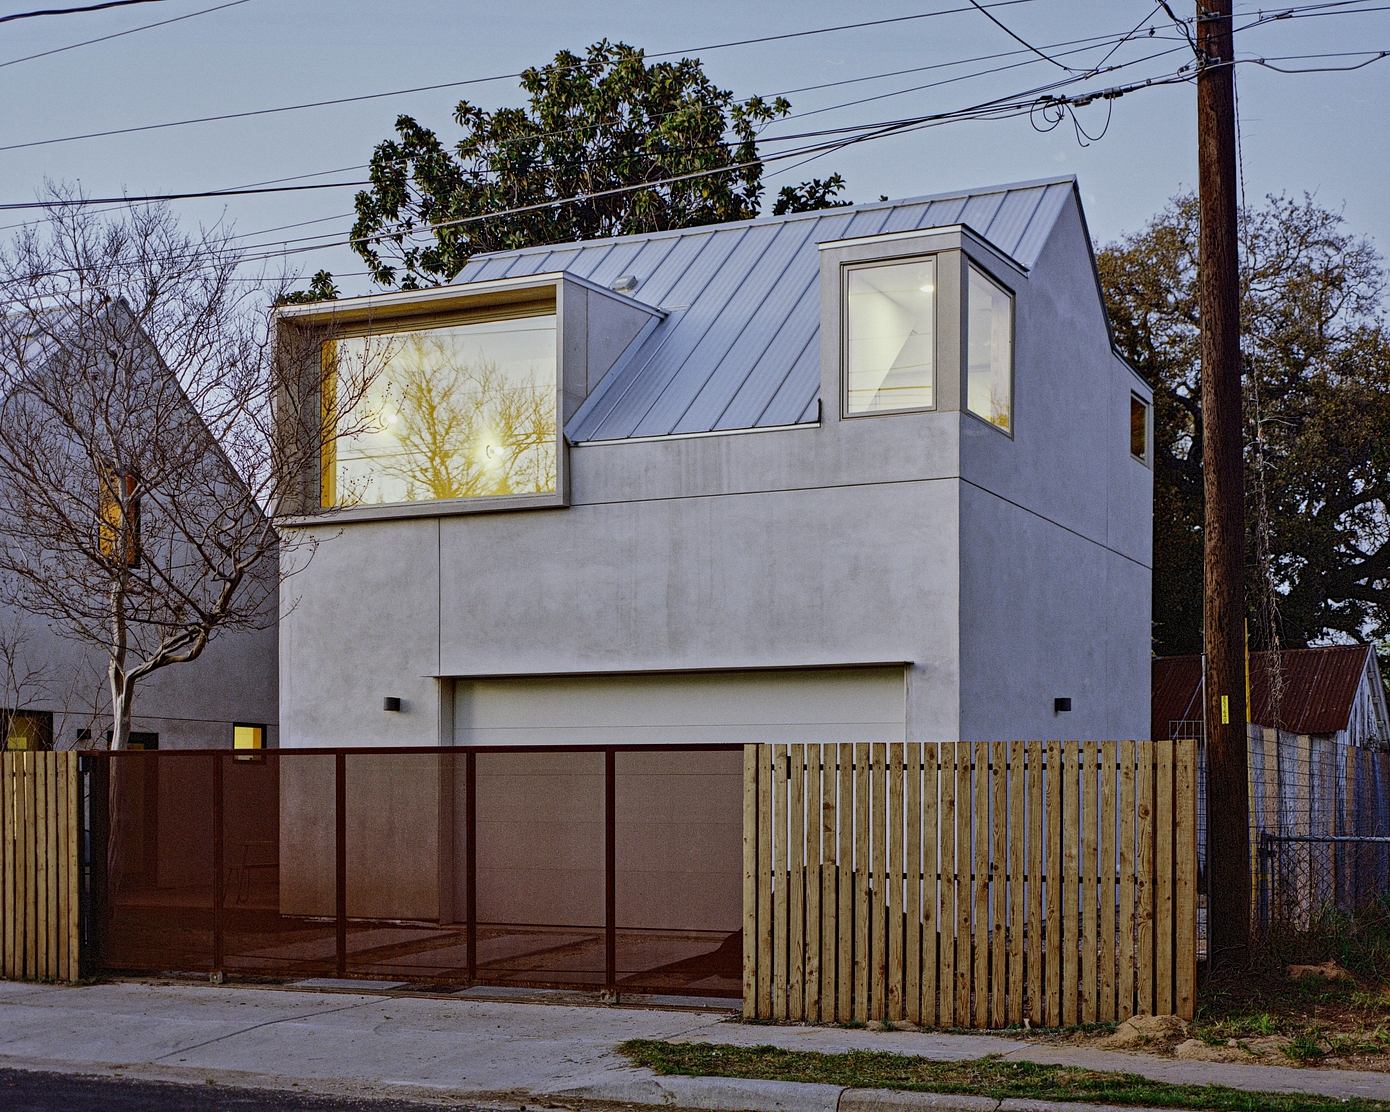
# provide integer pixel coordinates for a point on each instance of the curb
(728, 1094)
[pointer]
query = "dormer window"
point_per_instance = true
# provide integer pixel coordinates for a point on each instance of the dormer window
(890, 337)
(457, 409)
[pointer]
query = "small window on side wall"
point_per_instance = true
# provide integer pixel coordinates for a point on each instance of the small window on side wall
(989, 372)
(890, 337)
(248, 738)
(1139, 428)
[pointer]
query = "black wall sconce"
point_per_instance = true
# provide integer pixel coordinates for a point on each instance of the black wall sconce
(391, 703)
(1061, 705)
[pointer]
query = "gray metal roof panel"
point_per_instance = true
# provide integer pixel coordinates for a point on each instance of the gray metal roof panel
(739, 347)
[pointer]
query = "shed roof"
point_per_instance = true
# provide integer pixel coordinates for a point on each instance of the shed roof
(1318, 688)
(738, 347)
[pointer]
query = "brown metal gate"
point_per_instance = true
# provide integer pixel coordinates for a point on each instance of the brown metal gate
(607, 868)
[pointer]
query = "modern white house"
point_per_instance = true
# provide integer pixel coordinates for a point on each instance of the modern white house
(53, 685)
(869, 473)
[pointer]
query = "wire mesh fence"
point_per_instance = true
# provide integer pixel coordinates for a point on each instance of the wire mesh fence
(1319, 828)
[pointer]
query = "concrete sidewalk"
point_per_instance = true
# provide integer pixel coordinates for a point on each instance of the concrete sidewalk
(359, 1045)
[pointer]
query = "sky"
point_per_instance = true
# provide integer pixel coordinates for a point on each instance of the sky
(1321, 133)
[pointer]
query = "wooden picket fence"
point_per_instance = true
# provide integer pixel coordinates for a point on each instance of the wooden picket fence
(970, 884)
(39, 866)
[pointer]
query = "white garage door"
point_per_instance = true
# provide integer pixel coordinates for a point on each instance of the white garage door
(823, 704)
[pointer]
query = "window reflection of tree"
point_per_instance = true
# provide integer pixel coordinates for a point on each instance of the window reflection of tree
(466, 430)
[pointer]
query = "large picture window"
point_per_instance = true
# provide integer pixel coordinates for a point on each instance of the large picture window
(890, 337)
(989, 373)
(463, 410)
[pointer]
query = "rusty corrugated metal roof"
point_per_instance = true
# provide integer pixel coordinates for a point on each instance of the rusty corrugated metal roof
(1317, 689)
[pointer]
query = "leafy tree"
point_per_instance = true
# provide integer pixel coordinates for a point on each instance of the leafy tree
(1316, 356)
(601, 121)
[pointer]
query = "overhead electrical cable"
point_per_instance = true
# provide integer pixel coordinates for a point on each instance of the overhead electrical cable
(99, 7)
(121, 34)
(1090, 43)
(485, 80)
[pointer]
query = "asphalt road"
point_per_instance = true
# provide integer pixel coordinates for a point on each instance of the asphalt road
(26, 1091)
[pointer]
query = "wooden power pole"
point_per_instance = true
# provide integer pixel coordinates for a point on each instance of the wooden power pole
(1223, 481)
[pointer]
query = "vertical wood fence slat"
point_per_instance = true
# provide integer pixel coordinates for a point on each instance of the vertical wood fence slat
(779, 881)
(1144, 889)
(980, 902)
(796, 875)
(1125, 989)
(1185, 847)
(998, 906)
(1015, 884)
(1108, 872)
(878, 883)
(829, 866)
(1035, 884)
(931, 867)
(1052, 872)
(946, 874)
(916, 917)
(863, 869)
(960, 884)
(965, 864)
(1071, 884)
(1090, 983)
(893, 891)
(844, 996)
(811, 874)
(1163, 878)
(752, 830)
(766, 768)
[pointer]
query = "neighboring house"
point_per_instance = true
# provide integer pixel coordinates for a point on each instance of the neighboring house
(1332, 692)
(868, 473)
(53, 687)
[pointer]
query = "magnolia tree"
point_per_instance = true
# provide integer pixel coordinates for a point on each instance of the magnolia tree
(150, 427)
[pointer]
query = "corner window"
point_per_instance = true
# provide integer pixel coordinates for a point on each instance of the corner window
(890, 337)
(1139, 428)
(989, 371)
(118, 516)
(453, 410)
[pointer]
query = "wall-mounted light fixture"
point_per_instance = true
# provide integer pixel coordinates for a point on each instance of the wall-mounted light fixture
(391, 703)
(1061, 705)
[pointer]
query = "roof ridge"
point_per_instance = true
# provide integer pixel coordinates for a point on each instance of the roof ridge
(726, 225)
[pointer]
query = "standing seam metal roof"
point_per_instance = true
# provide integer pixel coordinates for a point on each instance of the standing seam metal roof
(738, 348)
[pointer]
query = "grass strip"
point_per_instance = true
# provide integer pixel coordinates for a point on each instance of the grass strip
(992, 1076)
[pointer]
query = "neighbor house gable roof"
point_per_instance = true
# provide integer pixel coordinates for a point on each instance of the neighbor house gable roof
(1317, 689)
(738, 348)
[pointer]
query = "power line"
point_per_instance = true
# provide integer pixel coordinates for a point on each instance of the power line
(78, 202)
(1114, 40)
(224, 116)
(75, 11)
(989, 15)
(121, 34)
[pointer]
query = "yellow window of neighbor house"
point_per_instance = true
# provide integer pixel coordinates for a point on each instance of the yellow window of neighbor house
(25, 730)
(248, 736)
(455, 410)
(118, 516)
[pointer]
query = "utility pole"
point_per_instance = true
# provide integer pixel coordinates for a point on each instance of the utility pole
(1223, 483)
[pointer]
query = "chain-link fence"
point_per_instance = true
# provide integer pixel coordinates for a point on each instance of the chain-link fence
(1319, 828)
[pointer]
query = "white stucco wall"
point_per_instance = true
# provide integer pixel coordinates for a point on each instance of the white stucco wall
(1005, 571)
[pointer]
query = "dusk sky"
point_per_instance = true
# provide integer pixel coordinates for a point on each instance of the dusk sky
(1324, 133)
